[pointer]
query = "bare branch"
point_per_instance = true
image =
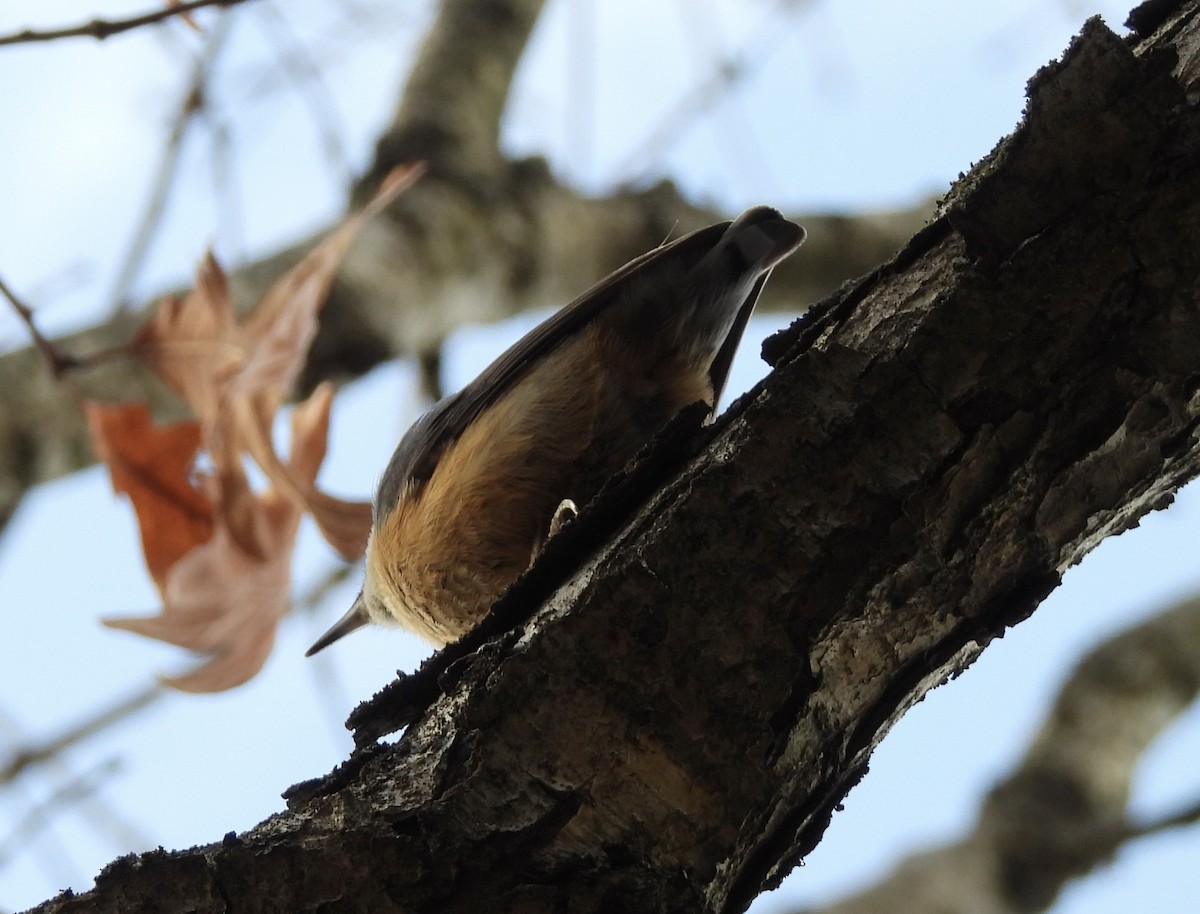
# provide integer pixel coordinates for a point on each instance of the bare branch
(61, 800)
(1062, 812)
(58, 361)
(402, 288)
(106, 28)
(726, 73)
(1188, 815)
(301, 69)
(449, 114)
(122, 709)
(117, 712)
(194, 101)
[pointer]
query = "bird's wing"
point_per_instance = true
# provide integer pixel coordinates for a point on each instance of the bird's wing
(418, 453)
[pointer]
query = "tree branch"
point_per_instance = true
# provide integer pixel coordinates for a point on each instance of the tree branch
(454, 98)
(193, 101)
(690, 698)
(479, 239)
(1060, 814)
(106, 28)
(399, 293)
(56, 361)
(115, 713)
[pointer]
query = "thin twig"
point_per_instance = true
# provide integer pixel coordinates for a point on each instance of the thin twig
(581, 80)
(126, 707)
(727, 74)
(105, 817)
(294, 60)
(53, 857)
(1101, 841)
(65, 797)
(226, 193)
(1189, 815)
(194, 101)
(106, 28)
(58, 361)
(341, 41)
(743, 153)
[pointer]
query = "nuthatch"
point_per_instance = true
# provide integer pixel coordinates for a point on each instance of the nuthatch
(472, 488)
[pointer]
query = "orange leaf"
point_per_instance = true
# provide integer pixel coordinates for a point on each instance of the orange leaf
(151, 464)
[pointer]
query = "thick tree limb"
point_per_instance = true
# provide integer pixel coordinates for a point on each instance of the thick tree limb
(673, 725)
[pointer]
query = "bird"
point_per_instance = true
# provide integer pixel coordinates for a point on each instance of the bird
(477, 483)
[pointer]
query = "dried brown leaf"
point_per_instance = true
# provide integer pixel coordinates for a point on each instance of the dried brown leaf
(225, 594)
(282, 325)
(220, 600)
(224, 600)
(344, 524)
(193, 343)
(229, 668)
(151, 464)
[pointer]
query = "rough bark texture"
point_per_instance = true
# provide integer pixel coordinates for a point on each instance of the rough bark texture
(672, 725)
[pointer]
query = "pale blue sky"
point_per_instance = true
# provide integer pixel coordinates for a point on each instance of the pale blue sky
(851, 105)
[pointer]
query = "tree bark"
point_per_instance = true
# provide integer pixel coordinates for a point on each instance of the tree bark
(664, 713)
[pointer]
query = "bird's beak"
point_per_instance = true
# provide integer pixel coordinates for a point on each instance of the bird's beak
(356, 617)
